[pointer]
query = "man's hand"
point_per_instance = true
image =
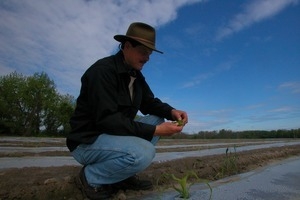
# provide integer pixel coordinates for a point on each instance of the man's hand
(170, 128)
(167, 129)
(180, 117)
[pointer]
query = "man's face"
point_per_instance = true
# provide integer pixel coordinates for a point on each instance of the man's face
(136, 56)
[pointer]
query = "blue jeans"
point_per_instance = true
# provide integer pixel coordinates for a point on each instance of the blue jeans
(113, 158)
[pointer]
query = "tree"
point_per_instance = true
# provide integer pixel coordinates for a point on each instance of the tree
(40, 94)
(31, 104)
(57, 115)
(12, 111)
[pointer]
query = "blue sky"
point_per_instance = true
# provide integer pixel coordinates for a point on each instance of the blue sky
(229, 64)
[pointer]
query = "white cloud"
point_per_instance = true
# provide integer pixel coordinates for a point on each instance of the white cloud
(292, 86)
(254, 12)
(271, 115)
(220, 68)
(200, 120)
(63, 38)
(197, 80)
(281, 110)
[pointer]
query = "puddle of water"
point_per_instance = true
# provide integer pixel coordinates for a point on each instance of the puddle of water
(31, 149)
(166, 156)
(53, 161)
(214, 144)
(32, 139)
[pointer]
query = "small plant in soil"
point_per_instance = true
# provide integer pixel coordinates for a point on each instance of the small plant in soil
(229, 165)
(183, 187)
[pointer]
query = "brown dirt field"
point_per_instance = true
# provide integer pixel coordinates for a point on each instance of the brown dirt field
(58, 182)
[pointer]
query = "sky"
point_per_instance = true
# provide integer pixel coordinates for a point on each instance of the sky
(231, 65)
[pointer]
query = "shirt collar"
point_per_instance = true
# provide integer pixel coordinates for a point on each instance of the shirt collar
(122, 67)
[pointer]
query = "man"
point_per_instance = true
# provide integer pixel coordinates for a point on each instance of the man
(107, 138)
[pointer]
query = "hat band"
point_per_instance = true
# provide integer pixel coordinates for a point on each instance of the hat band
(142, 39)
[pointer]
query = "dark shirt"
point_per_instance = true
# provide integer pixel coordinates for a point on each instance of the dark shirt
(104, 104)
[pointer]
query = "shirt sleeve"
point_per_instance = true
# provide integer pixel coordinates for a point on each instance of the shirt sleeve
(154, 106)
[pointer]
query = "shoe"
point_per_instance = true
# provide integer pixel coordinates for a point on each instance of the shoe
(133, 183)
(103, 192)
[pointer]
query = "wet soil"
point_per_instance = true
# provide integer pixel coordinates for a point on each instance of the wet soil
(59, 182)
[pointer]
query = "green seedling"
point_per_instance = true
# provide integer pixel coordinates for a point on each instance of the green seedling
(183, 186)
(179, 122)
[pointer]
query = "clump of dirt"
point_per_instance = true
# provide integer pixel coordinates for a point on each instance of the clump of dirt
(59, 182)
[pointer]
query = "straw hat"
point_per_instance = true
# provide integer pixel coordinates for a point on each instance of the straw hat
(140, 32)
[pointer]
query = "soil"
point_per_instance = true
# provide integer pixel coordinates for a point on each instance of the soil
(59, 182)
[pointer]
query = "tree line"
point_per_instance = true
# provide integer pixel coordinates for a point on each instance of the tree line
(247, 134)
(31, 106)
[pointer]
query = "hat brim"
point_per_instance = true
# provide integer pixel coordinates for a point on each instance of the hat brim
(122, 38)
